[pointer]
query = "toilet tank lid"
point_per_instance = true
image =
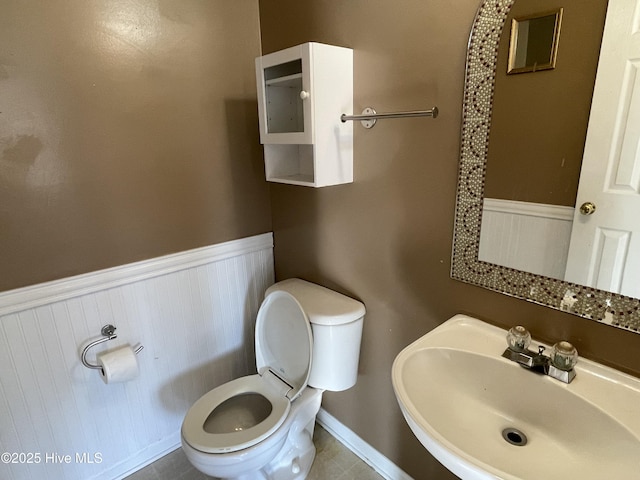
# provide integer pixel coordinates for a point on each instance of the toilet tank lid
(321, 305)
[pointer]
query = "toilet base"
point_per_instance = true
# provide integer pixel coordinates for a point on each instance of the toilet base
(286, 455)
(294, 463)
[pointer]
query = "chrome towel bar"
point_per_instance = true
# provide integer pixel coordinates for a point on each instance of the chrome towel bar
(370, 116)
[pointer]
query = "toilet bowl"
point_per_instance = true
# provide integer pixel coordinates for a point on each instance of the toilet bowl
(261, 426)
(268, 459)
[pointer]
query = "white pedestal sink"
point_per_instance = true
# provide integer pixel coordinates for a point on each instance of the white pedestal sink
(458, 395)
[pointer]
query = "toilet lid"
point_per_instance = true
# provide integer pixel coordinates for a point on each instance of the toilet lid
(284, 341)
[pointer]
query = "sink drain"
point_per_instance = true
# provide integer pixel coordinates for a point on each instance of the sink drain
(514, 437)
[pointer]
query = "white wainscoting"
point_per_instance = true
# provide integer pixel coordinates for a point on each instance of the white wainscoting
(526, 236)
(194, 313)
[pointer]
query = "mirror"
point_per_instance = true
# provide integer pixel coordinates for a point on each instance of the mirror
(482, 60)
(534, 42)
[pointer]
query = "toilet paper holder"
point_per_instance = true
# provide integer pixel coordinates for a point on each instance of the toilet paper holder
(108, 333)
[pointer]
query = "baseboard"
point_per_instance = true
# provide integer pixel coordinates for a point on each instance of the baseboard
(381, 464)
(152, 453)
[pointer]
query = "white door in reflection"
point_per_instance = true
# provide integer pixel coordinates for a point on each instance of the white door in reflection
(604, 251)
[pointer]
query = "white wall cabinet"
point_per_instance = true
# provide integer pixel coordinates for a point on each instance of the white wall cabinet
(302, 91)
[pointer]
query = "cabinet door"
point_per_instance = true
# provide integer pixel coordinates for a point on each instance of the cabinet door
(285, 96)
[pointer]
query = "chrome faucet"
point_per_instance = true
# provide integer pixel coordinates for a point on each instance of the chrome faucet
(559, 365)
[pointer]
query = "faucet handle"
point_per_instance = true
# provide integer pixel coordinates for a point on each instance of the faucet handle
(564, 356)
(518, 338)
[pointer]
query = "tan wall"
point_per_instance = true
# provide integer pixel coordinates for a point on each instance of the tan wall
(386, 239)
(540, 119)
(128, 130)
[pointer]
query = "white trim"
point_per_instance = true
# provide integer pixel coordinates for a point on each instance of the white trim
(131, 466)
(33, 296)
(381, 464)
(558, 212)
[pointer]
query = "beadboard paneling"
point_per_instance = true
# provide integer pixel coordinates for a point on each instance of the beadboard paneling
(526, 236)
(194, 313)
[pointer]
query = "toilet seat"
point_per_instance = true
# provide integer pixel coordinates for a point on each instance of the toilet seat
(284, 344)
(192, 427)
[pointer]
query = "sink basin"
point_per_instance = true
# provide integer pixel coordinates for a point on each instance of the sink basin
(485, 417)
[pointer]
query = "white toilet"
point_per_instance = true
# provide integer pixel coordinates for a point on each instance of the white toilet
(261, 426)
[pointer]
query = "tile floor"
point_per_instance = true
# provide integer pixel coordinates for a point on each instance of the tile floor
(333, 461)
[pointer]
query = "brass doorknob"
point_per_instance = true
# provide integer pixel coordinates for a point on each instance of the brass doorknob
(587, 208)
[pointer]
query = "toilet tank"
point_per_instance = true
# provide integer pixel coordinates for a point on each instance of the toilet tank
(336, 322)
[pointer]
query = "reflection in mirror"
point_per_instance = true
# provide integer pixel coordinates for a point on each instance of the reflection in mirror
(537, 162)
(536, 144)
(534, 42)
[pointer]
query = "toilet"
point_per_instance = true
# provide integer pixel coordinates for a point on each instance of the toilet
(307, 340)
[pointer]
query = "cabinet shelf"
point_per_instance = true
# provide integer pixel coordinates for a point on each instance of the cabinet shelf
(288, 81)
(300, 179)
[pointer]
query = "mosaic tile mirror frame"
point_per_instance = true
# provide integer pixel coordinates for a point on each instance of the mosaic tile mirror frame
(602, 306)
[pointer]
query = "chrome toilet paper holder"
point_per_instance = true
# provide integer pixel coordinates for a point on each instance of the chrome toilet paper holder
(108, 333)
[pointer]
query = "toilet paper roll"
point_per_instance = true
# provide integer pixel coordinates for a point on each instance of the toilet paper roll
(120, 365)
